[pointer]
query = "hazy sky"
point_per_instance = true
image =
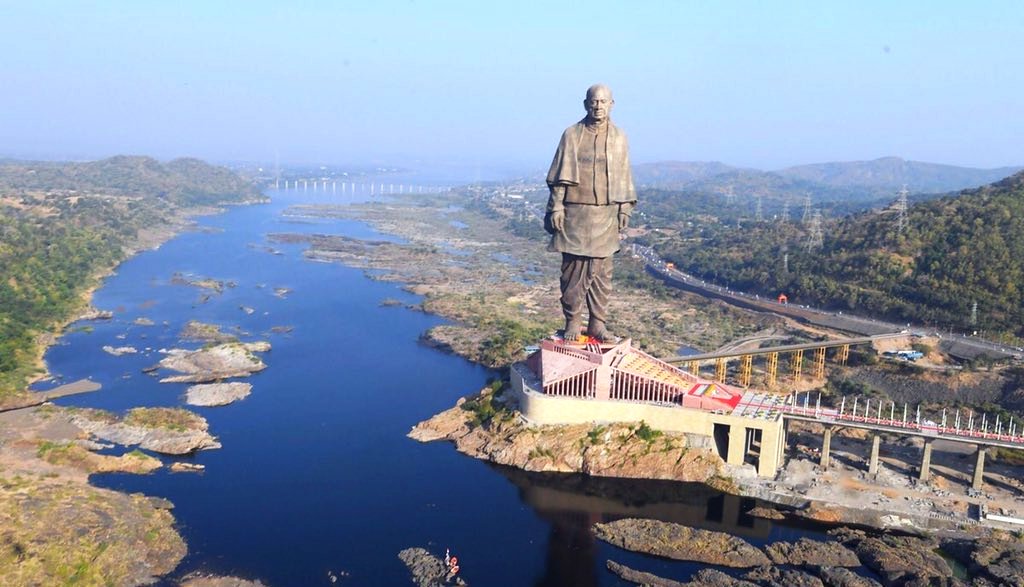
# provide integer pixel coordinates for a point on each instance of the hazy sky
(763, 84)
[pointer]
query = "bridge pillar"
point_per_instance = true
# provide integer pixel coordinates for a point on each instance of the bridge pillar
(876, 440)
(844, 354)
(797, 363)
(720, 369)
(746, 368)
(771, 368)
(826, 448)
(926, 461)
(819, 363)
(693, 367)
(978, 482)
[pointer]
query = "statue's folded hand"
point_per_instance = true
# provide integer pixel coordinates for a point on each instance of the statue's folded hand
(558, 220)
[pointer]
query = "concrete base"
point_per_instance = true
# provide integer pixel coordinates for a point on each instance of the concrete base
(544, 409)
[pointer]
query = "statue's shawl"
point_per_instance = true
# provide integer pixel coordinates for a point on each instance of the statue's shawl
(565, 168)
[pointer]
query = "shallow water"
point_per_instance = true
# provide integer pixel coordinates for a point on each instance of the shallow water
(316, 473)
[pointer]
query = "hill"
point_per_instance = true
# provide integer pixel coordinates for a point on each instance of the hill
(181, 181)
(844, 186)
(956, 251)
(891, 173)
(665, 174)
(62, 225)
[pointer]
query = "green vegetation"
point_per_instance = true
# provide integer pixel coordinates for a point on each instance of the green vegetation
(645, 433)
(176, 419)
(956, 251)
(485, 407)
(64, 224)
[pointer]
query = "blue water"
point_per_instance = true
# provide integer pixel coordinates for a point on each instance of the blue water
(316, 473)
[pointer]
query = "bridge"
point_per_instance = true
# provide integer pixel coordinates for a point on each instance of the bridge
(356, 187)
(969, 428)
(693, 363)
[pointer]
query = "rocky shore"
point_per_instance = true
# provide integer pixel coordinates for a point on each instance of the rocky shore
(481, 426)
(171, 431)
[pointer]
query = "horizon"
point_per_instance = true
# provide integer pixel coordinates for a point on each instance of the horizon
(456, 83)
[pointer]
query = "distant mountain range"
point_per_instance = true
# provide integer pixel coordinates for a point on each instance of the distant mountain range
(859, 180)
(959, 260)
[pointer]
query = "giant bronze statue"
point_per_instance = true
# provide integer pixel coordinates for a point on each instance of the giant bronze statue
(591, 199)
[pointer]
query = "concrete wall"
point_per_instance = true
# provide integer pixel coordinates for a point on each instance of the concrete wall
(554, 410)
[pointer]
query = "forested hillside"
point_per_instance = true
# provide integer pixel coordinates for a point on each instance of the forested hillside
(954, 251)
(182, 181)
(63, 224)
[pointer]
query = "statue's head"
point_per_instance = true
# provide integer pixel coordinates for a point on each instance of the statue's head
(598, 103)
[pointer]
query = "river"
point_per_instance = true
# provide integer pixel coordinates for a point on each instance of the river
(316, 474)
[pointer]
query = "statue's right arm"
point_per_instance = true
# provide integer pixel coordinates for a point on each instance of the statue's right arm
(556, 207)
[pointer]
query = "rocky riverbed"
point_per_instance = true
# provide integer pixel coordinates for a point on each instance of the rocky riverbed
(213, 363)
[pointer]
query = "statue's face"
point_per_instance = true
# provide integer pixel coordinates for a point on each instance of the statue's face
(599, 104)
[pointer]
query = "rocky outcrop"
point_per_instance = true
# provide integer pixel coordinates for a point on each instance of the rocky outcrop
(776, 577)
(680, 542)
(999, 556)
(60, 532)
(427, 570)
(165, 430)
(899, 560)
(221, 361)
(92, 313)
(482, 427)
(843, 577)
(716, 578)
(217, 394)
(640, 577)
(806, 552)
(203, 332)
(212, 581)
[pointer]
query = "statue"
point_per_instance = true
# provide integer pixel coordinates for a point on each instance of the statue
(591, 199)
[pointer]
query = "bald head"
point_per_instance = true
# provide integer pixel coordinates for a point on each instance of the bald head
(598, 103)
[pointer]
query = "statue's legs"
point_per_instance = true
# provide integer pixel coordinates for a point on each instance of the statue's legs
(598, 292)
(589, 279)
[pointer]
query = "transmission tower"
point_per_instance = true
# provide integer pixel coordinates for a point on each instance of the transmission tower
(785, 262)
(974, 313)
(807, 210)
(757, 210)
(815, 233)
(785, 212)
(730, 195)
(901, 210)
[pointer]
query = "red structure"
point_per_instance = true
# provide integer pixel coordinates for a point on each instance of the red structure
(620, 372)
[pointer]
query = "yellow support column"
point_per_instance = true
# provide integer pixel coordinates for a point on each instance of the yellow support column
(720, 369)
(693, 367)
(797, 363)
(844, 354)
(771, 368)
(746, 368)
(819, 363)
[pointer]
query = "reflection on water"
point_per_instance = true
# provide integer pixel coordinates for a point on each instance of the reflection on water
(572, 504)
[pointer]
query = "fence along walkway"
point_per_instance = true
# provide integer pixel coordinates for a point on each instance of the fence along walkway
(971, 428)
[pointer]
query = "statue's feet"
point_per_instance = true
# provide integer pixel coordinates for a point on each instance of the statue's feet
(600, 332)
(572, 331)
